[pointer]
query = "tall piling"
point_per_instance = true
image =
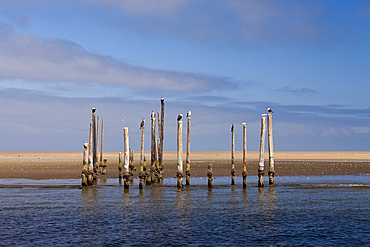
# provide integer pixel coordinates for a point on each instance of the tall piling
(90, 134)
(261, 168)
(159, 148)
(126, 175)
(94, 160)
(161, 137)
(271, 150)
(179, 173)
(142, 171)
(154, 150)
(187, 172)
(210, 175)
(101, 146)
(232, 155)
(244, 173)
(147, 175)
(97, 145)
(120, 165)
(85, 166)
(104, 167)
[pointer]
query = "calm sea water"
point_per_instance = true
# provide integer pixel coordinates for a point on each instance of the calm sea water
(297, 211)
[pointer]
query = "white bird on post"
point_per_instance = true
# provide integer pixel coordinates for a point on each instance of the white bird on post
(188, 114)
(269, 110)
(179, 117)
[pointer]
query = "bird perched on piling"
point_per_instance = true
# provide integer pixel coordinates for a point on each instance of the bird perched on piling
(162, 100)
(153, 114)
(188, 114)
(179, 117)
(269, 110)
(232, 127)
(93, 109)
(244, 123)
(142, 123)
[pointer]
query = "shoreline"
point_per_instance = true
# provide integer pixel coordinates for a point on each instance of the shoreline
(66, 165)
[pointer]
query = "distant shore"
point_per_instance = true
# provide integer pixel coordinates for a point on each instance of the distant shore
(63, 165)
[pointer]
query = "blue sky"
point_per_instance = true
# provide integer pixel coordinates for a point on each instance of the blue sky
(226, 61)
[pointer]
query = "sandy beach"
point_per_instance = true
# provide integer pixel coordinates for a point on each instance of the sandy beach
(49, 165)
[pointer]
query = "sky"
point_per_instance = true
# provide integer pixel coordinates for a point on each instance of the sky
(226, 60)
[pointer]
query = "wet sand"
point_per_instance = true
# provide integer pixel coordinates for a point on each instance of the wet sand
(50, 165)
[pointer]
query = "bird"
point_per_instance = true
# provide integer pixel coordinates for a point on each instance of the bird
(93, 110)
(123, 119)
(244, 123)
(179, 117)
(232, 127)
(142, 123)
(188, 114)
(269, 110)
(162, 100)
(153, 114)
(263, 115)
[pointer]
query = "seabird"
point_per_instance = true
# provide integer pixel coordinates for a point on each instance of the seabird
(232, 127)
(142, 123)
(188, 114)
(179, 117)
(153, 114)
(93, 110)
(123, 119)
(162, 100)
(244, 123)
(269, 110)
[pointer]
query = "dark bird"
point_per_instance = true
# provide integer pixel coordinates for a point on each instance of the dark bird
(153, 114)
(179, 117)
(232, 127)
(188, 114)
(142, 123)
(162, 100)
(93, 109)
(269, 110)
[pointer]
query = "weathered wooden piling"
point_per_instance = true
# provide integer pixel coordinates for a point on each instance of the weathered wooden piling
(232, 155)
(94, 161)
(142, 171)
(159, 168)
(179, 173)
(97, 144)
(244, 173)
(120, 165)
(90, 134)
(126, 175)
(271, 150)
(85, 166)
(101, 146)
(210, 175)
(160, 154)
(131, 163)
(187, 172)
(261, 168)
(154, 150)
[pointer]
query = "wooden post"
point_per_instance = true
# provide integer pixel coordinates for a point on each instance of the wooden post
(187, 172)
(90, 139)
(97, 145)
(131, 163)
(126, 175)
(261, 168)
(142, 171)
(244, 173)
(120, 165)
(210, 176)
(159, 168)
(152, 153)
(232, 155)
(85, 167)
(179, 173)
(101, 145)
(271, 150)
(157, 177)
(94, 161)
(160, 155)
(104, 169)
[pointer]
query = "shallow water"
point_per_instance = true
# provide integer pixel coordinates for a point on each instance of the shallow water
(298, 210)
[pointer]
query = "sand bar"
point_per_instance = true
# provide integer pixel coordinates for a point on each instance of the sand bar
(49, 165)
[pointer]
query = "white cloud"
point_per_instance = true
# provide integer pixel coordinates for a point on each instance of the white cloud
(53, 60)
